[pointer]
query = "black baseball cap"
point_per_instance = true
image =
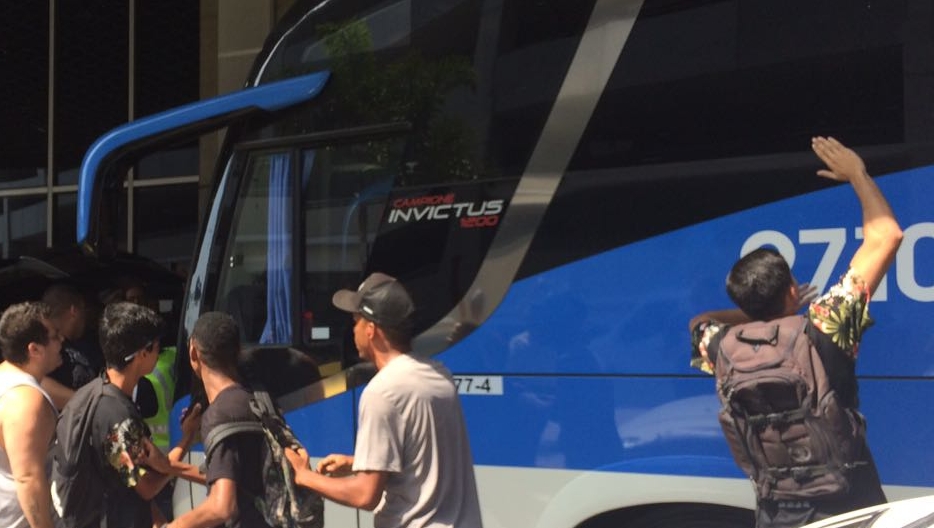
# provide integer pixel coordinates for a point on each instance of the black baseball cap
(381, 299)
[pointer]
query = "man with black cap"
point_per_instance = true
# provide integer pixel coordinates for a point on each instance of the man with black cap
(412, 461)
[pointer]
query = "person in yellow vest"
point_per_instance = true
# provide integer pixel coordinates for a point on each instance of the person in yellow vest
(155, 395)
(162, 380)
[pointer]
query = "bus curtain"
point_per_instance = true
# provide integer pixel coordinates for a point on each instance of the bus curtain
(278, 328)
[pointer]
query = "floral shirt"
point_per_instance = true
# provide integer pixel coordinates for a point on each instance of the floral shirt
(124, 448)
(842, 314)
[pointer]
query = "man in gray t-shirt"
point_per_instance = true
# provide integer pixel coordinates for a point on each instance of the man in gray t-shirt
(412, 461)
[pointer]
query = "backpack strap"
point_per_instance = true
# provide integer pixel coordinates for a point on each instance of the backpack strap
(758, 421)
(268, 419)
(265, 409)
(87, 417)
(222, 431)
(262, 404)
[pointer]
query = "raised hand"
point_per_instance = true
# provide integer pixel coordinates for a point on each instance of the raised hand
(842, 163)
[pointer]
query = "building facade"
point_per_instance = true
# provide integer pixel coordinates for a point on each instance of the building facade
(74, 70)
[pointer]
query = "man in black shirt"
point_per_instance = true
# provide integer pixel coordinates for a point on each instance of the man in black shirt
(81, 357)
(234, 470)
(131, 468)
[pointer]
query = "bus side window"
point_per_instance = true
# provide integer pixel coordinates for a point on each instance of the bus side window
(255, 265)
(345, 188)
(247, 304)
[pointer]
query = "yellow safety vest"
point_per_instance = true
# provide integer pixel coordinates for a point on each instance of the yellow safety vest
(163, 383)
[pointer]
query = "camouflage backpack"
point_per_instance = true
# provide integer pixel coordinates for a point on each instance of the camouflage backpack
(785, 425)
(283, 504)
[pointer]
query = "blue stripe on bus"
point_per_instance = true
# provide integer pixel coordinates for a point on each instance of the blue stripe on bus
(269, 97)
(595, 354)
(625, 311)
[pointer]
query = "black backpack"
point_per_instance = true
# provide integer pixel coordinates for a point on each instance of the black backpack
(785, 425)
(78, 487)
(283, 504)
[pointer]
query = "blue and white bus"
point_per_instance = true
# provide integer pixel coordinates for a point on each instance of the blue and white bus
(562, 185)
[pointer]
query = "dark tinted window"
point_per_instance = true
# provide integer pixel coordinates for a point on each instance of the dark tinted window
(91, 78)
(167, 55)
(166, 219)
(24, 34)
(22, 225)
(475, 84)
(711, 107)
(64, 217)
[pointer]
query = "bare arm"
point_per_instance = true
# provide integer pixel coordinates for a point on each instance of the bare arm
(186, 471)
(362, 489)
(60, 394)
(150, 484)
(190, 428)
(219, 507)
(881, 232)
(163, 469)
(28, 426)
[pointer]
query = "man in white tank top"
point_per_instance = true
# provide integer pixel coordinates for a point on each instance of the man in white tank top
(31, 349)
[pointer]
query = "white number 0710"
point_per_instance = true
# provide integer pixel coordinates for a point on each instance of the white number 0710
(836, 238)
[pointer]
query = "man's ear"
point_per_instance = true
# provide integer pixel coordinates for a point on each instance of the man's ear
(791, 299)
(32, 348)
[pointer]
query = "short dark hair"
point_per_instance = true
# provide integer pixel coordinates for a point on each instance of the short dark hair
(399, 337)
(20, 325)
(125, 328)
(217, 338)
(759, 282)
(60, 297)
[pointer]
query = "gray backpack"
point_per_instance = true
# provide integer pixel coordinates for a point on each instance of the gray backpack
(784, 423)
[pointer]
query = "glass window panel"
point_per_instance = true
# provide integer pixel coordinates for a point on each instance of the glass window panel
(169, 163)
(22, 179)
(167, 42)
(256, 264)
(345, 190)
(91, 78)
(166, 222)
(22, 225)
(120, 233)
(24, 126)
(64, 219)
(112, 220)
